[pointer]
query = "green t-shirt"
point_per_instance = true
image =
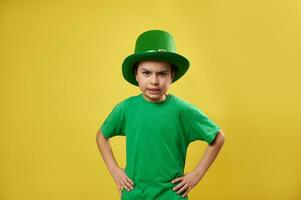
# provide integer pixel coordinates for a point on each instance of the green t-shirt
(157, 137)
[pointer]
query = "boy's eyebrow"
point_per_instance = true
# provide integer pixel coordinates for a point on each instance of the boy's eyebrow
(164, 70)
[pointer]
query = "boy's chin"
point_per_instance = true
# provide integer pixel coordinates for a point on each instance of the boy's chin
(154, 94)
(154, 97)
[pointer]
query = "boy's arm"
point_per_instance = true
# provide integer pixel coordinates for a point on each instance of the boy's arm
(106, 152)
(119, 175)
(190, 180)
(210, 154)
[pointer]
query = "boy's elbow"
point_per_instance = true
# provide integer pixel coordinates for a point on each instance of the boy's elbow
(219, 139)
(99, 135)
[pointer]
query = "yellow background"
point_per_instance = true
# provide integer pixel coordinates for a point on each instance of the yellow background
(61, 76)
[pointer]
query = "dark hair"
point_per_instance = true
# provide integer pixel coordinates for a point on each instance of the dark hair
(136, 67)
(173, 68)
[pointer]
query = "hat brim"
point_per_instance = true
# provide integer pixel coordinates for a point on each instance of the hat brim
(180, 62)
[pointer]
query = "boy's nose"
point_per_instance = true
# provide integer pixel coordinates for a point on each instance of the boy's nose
(154, 79)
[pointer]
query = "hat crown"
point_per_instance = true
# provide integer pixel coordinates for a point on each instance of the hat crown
(155, 40)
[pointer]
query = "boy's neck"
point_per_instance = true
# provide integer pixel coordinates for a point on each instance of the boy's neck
(161, 99)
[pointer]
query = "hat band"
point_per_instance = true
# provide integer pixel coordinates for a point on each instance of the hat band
(156, 50)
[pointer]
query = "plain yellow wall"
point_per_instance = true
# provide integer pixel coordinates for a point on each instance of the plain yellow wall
(61, 75)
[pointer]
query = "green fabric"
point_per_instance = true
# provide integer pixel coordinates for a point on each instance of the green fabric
(157, 137)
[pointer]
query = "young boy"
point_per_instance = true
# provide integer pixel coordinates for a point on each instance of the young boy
(158, 126)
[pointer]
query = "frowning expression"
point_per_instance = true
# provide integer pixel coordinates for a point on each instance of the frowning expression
(154, 79)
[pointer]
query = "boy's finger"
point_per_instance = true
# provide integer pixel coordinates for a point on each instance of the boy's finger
(179, 186)
(129, 184)
(125, 186)
(183, 187)
(185, 194)
(127, 180)
(176, 180)
(131, 181)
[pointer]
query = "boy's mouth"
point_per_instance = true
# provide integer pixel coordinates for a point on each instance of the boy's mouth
(154, 90)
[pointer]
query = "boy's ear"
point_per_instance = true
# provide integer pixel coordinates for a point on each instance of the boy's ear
(136, 71)
(136, 77)
(172, 76)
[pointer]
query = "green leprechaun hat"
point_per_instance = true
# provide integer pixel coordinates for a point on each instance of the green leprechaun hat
(154, 45)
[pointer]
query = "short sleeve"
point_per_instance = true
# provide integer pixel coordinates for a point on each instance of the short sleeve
(114, 124)
(202, 128)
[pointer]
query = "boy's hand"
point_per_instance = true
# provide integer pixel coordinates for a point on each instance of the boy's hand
(188, 181)
(122, 180)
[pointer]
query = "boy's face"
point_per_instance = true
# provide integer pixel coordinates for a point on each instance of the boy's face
(154, 78)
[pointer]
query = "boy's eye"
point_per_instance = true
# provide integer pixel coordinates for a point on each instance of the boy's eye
(161, 73)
